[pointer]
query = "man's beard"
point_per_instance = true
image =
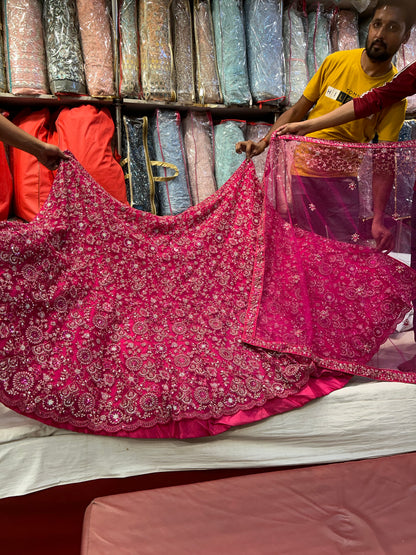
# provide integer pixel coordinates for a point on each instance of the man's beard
(380, 56)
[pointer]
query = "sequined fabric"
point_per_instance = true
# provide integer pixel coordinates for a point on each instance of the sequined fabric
(97, 46)
(344, 31)
(137, 153)
(63, 48)
(199, 147)
(26, 62)
(263, 20)
(3, 79)
(183, 51)
(208, 82)
(156, 58)
(167, 135)
(319, 45)
(226, 134)
(120, 322)
(230, 45)
(129, 54)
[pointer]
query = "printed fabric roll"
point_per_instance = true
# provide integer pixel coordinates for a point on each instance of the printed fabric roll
(156, 59)
(199, 148)
(207, 78)
(174, 195)
(265, 49)
(319, 44)
(227, 161)
(26, 62)
(97, 46)
(137, 153)
(230, 44)
(183, 51)
(295, 41)
(63, 48)
(344, 31)
(129, 54)
(406, 55)
(254, 132)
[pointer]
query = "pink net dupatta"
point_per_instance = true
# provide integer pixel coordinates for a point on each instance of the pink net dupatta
(319, 289)
(120, 322)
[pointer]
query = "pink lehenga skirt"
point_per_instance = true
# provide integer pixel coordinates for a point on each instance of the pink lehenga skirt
(120, 322)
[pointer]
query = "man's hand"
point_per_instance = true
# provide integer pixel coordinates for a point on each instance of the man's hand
(50, 156)
(383, 237)
(294, 128)
(251, 148)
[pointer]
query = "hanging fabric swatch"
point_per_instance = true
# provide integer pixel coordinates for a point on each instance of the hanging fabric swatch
(138, 153)
(156, 59)
(406, 55)
(25, 49)
(207, 78)
(88, 131)
(129, 54)
(226, 134)
(63, 48)
(97, 46)
(183, 51)
(265, 49)
(32, 180)
(319, 44)
(254, 132)
(230, 44)
(295, 42)
(199, 148)
(344, 31)
(174, 194)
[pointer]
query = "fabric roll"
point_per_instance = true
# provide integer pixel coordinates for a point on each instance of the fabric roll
(344, 31)
(254, 132)
(6, 184)
(199, 148)
(174, 195)
(63, 48)
(230, 44)
(319, 44)
(26, 61)
(265, 56)
(137, 153)
(406, 55)
(97, 46)
(156, 60)
(129, 54)
(183, 51)
(226, 134)
(208, 81)
(3, 78)
(295, 43)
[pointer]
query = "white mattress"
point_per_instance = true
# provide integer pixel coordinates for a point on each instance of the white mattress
(364, 419)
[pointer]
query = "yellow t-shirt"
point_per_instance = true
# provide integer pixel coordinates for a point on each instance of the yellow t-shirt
(341, 78)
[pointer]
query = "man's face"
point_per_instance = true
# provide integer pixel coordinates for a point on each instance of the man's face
(387, 31)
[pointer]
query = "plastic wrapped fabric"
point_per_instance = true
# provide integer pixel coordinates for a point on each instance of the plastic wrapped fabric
(183, 51)
(359, 5)
(63, 48)
(406, 55)
(199, 147)
(254, 132)
(363, 25)
(25, 49)
(295, 49)
(327, 186)
(156, 58)
(137, 153)
(319, 32)
(230, 45)
(264, 31)
(129, 53)
(97, 46)
(3, 79)
(174, 195)
(226, 134)
(207, 79)
(344, 31)
(408, 130)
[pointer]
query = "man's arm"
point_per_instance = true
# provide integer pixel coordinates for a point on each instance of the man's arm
(296, 113)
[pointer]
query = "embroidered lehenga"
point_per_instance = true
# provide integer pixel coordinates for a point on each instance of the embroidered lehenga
(116, 321)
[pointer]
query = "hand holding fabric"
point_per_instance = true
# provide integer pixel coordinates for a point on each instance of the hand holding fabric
(251, 148)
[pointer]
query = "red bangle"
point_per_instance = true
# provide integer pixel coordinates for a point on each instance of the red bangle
(265, 140)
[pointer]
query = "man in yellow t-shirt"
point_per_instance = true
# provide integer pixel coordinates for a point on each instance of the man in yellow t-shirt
(342, 76)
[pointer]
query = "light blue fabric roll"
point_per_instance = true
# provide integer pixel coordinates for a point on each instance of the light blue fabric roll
(227, 161)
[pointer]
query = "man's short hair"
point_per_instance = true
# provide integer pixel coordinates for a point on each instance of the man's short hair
(406, 6)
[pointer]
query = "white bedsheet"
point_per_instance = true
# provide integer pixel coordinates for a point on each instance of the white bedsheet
(364, 419)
